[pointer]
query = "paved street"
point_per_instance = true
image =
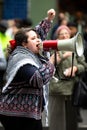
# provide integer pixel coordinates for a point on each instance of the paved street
(81, 126)
(84, 117)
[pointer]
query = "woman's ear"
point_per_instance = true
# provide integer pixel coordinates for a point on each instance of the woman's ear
(24, 44)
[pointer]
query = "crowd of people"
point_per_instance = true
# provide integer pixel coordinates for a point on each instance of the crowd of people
(34, 81)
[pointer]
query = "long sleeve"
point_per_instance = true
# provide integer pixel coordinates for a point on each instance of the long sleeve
(46, 71)
(43, 28)
(81, 64)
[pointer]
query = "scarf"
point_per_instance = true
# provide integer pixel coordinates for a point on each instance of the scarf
(19, 57)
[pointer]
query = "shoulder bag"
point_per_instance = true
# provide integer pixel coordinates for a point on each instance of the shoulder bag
(79, 95)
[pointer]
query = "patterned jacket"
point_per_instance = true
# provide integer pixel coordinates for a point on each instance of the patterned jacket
(24, 95)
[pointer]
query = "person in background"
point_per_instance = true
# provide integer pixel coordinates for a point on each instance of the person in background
(4, 39)
(3, 64)
(26, 74)
(80, 19)
(74, 29)
(15, 24)
(63, 116)
(62, 20)
(85, 42)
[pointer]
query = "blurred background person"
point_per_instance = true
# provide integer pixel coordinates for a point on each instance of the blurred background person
(73, 27)
(15, 24)
(4, 39)
(63, 116)
(3, 64)
(62, 20)
(85, 42)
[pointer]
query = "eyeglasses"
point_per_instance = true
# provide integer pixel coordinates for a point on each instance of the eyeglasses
(61, 34)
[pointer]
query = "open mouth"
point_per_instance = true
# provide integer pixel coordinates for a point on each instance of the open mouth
(37, 45)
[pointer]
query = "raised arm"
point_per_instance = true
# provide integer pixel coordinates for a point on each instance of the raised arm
(44, 26)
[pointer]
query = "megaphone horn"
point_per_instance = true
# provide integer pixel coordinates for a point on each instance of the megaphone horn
(74, 44)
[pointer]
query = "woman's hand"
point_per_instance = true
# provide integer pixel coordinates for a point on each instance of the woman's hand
(67, 72)
(51, 14)
(67, 54)
(52, 58)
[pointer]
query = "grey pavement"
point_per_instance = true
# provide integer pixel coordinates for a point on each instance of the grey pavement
(84, 117)
(81, 126)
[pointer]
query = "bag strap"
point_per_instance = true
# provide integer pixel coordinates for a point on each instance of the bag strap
(68, 78)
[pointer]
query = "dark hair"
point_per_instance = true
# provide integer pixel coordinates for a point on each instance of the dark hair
(72, 24)
(3, 26)
(21, 36)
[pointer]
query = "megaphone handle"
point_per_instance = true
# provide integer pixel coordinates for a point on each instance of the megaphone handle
(55, 63)
(72, 64)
